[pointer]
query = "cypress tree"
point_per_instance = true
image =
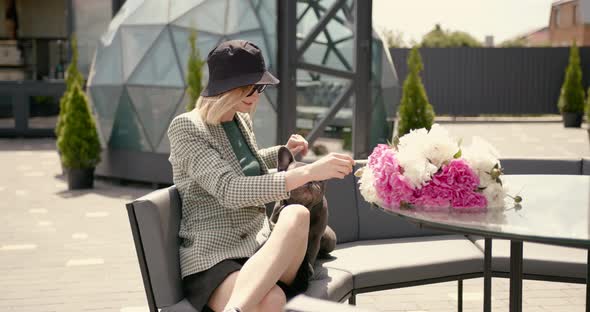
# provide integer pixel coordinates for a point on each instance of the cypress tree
(415, 111)
(194, 72)
(571, 98)
(78, 141)
(73, 76)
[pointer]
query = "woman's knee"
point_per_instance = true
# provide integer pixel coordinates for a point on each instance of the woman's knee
(297, 216)
(274, 300)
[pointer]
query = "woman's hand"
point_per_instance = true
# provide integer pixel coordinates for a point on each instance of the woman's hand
(331, 166)
(297, 144)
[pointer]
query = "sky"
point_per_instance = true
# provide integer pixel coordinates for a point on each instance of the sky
(504, 19)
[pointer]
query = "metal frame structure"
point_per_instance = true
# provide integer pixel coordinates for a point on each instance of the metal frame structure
(359, 74)
(19, 93)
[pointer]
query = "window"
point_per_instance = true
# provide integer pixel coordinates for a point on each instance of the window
(556, 17)
(575, 17)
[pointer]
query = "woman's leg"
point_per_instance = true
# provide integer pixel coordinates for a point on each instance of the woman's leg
(279, 258)
(274, 300)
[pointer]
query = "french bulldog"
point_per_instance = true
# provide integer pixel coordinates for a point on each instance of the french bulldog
(322, 239)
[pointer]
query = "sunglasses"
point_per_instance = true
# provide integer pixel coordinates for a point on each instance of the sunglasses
(258, 88)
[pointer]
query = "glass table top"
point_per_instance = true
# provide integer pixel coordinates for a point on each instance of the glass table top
(555, 209)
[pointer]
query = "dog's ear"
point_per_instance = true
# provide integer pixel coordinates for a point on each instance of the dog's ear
(285, 158)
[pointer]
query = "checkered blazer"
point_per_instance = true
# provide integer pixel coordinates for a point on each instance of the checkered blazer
(223, 214)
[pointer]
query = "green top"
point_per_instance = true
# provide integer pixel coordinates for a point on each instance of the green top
(248, 162)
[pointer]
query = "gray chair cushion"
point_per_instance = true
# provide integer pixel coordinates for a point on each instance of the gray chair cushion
(158, 217)
(586, 166)
(376, 224)
(329, 284)
(182, 306)
(391, 261)
(304, 303)
(539, 259)
(541, 165)
(343, 217)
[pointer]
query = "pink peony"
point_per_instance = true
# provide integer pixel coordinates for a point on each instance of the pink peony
(455, 185)
(469, 201)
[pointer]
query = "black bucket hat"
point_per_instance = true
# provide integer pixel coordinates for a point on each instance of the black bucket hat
(236, 63)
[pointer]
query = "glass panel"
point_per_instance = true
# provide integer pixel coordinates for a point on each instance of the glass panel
(268, 20)
(151, 12)
(127, 131)
(164, 146)
(160, 66)
(265, 124)
(240, 17)
(271, 94)
(126, 10)
(105, 101)
(344, 59)
(181, 7)
(91, 20)
(307, 22)
(208, 16)
(136, 41)
(205, 43)
(315, 94)
(155, 107)
(315, 53)
(107, 67)
(6, 112)
(43, 111)
(381, 124)
(338, 31)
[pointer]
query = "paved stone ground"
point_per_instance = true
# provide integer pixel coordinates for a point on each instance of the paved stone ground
(524, 139)
(73, 251)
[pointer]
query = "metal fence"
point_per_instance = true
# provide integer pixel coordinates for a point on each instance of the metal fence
(475, 81)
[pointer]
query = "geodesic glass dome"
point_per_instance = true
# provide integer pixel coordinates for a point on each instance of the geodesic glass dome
(137, 80)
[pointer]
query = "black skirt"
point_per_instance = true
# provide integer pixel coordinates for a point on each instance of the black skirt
(199, 287)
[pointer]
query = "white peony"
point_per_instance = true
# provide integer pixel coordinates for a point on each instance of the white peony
(441, 147)
(421, 153)
(367, 185)
(481, 157)
(495, 194)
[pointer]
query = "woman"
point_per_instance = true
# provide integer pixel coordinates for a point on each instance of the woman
(229, 259)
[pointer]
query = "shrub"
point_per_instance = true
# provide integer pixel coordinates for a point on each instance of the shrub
(414, 111)
(78, 141)
(194, 73)
(73, 76)
(571, 98)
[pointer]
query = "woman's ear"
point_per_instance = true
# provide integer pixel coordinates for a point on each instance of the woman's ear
(285, 158)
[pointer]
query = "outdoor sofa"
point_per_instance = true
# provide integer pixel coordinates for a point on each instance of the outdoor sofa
(375, 251)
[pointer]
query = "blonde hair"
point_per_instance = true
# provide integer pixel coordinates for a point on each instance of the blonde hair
(212, 108)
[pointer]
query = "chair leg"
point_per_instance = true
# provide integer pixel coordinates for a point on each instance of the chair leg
(352, 299)
(460, 295)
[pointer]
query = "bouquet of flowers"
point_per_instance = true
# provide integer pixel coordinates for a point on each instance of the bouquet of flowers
(430, 170)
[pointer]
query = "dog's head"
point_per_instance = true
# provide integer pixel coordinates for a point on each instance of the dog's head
(309, 194)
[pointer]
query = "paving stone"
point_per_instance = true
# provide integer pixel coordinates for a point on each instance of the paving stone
(38, 210)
